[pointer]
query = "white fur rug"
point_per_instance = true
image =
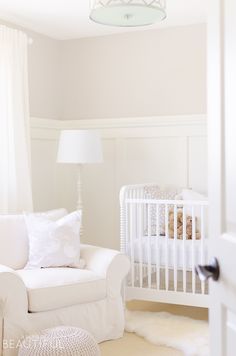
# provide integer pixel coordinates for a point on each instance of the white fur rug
(187, 335)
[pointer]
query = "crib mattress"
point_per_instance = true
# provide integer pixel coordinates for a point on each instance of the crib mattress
(162, 251)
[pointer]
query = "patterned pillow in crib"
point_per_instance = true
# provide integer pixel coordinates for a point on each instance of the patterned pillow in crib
(154, 192)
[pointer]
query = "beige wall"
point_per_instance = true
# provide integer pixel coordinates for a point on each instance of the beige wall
(149, 73)
(44, 75)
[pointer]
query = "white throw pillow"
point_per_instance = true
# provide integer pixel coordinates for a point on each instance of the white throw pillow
(53, 243)
(54, 214)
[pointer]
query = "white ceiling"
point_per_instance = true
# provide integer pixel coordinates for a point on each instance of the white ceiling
(68, 19)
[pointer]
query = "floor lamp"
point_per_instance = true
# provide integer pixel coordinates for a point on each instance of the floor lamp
(79, 147)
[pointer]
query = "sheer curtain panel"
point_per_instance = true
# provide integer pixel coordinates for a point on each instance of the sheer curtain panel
(15, 168)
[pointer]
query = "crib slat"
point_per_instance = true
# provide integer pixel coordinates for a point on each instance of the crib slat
(158, 279)
(132, 242)
(202, 258)
(149, 245)
(175, 247)
(193, 250)
(127, 234)
(166, 247)
(184, 251)
(140, 235)
(123, 224)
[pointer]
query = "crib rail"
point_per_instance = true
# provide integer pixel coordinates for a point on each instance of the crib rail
(164, 239)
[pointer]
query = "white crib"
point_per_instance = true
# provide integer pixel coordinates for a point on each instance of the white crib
(163, 268)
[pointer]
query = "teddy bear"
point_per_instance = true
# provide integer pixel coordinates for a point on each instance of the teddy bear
(189, 233)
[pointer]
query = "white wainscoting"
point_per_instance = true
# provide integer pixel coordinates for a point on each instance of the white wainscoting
(166, 150)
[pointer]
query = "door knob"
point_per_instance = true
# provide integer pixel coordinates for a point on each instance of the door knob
(209, 271)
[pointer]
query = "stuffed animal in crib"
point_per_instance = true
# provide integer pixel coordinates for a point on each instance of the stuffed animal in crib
(189, 232)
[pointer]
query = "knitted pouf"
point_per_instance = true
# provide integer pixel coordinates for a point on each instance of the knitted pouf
(60, 341)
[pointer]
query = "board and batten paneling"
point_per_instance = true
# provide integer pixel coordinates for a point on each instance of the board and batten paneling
(169, 151)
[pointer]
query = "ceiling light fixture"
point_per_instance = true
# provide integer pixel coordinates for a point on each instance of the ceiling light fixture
(127, 13)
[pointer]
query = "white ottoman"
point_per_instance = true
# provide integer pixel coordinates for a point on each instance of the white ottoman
(60, 341)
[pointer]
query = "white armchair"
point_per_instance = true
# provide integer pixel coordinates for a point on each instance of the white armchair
(32, 300)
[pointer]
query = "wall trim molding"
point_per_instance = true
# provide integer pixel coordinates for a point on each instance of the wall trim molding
(140, 127)
(112, 123)
(169, 150)
(48, 124)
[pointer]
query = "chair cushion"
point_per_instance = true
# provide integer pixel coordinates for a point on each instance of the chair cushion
(54, 288)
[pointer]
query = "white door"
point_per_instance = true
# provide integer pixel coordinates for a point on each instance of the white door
(222, 172)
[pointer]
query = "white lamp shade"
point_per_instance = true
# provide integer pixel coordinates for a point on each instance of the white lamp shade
(79, 146)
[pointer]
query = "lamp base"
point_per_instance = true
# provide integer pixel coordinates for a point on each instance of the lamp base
(79, 197)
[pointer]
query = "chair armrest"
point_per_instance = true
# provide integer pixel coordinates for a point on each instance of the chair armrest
(13, 294)
(109, 264)
(4, 268)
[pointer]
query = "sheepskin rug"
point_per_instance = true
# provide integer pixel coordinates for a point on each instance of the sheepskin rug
(184, 334)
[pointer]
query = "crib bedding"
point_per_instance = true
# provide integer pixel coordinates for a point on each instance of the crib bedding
(154, 250)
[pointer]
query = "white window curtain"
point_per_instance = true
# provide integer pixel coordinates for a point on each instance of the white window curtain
(15, 167)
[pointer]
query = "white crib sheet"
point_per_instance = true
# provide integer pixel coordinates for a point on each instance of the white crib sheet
(155, 247)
